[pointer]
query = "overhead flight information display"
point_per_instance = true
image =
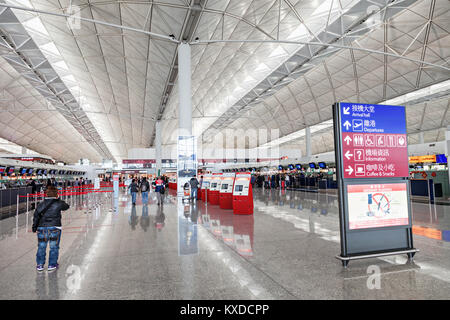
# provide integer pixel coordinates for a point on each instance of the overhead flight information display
(374, 141)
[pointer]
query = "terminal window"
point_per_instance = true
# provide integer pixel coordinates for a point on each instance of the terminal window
(239, 188)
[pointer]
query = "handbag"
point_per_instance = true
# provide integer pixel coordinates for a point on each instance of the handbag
(40, 215)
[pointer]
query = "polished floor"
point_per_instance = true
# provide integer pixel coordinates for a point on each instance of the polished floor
(286, 250)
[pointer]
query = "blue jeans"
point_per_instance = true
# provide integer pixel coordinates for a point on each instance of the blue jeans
(145, 197)
(194, 193)
(133, 197)
(52, 235)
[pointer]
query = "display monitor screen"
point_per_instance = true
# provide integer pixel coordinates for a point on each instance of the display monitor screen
(39, 171)
(441, 158)
(2, 170)
(291, 167)
(10, 170)
(322, 165)
(30, 171)
(45, 172)
(280, 167)
(298, 166)
(214, 185)
(224, 186)
(239, 188)
(312, 165)
(23, 170)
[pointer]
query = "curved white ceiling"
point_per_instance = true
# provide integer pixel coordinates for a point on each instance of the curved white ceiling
(120, 77)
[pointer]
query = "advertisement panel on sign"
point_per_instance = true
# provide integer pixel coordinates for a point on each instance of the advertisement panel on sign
(374, 141)
(377, 205)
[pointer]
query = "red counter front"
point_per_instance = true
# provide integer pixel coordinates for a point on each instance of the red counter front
(213, 197)
(214, 188)
(242, 195)
(226, 192)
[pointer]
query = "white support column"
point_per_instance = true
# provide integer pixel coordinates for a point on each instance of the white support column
(24, 150)
(421, 138)
(184, 88)
(158, 147)
(447, 149)
(187, 148)
(308, 141)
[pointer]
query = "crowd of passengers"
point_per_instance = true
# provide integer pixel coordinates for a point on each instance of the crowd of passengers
(40, 184)
(279, 180)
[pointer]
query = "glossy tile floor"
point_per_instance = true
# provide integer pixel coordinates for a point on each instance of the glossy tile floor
(286, 250)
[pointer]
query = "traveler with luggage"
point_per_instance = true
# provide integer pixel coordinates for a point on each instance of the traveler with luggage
(145, 187)
(47, 224)
(194, 188)
(133, 187)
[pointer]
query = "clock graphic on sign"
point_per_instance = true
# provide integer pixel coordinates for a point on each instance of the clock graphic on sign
(379, 205)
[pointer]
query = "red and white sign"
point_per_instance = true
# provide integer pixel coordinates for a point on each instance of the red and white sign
(374, 155)
(377, 205)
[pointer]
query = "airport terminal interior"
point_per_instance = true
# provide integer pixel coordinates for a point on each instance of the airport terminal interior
(224, 149)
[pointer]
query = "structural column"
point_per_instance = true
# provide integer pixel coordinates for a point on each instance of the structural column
(308, 141)
(187, 148)
(184, 90)
(447, 149)
(421, 138)
(158, 147)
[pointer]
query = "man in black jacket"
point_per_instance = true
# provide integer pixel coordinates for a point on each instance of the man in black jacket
(47, 224)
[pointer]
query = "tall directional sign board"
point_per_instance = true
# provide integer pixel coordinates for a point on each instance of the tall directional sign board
(372, 169)
(374, 141)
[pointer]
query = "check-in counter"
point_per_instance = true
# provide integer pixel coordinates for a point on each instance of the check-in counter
(8, 200)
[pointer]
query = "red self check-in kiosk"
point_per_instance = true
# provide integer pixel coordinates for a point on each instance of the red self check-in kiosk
(205, 185)
(226, 191)
(242, 194)
(214, 188)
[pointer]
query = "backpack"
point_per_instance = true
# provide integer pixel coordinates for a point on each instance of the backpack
(144, 187)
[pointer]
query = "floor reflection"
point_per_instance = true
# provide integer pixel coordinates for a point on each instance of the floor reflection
(236, 231)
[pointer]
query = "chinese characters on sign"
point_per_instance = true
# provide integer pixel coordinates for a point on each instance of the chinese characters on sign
(374, 141)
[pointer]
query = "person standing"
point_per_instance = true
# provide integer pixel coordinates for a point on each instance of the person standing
(145, 187)
(159, 189)
(194, 188)
(47, 224)
(133, 190)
